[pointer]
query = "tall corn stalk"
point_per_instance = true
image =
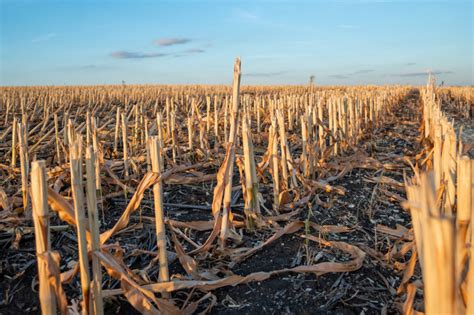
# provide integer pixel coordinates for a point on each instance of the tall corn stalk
(231, 151)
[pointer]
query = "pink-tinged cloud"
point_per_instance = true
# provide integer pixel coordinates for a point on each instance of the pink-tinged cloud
(135, 55)
(171, 41)
(421, 73)
(194, 51)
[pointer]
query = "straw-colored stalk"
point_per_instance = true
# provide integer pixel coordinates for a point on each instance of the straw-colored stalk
(125, 145)
(7, 112)
(97, 152)
(208, 113)
(148, 160)
(344, 120)
(253, 170)
(56, 135)
(257, 113)
(117, 131)
(24, 162)
(174, 138)
(226, 137)
(470, 275)
(159, 127)
(24, 119)
(330, 121)
(75, 158)
(273, 137)
(437, 247)
(93, 217)
(365, 106)
(168, 117)
(251, 180)
(335, 127)
(283, 144)
(339, 119)
(135, 131)
(371, 113)
(45, 117)
(304, 146)
(437, 153)
(231, 148)
(358, 120)
(312, 146)
(202, 143)
(65, 129)
(448, 167)
(464, 204)
(154, 145)
(190, 133)
(452, 168)
(39, 201)
(216, 125)
(88, 128)
(322, 141)
(290, 119)
(352, 131)
(14, 142)
(143, 137)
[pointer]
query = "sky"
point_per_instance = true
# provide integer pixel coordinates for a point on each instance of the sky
(195, 42)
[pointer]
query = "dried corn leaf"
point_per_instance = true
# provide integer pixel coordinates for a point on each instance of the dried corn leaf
(289, 229)
(399, 232)
(141, 298)
(217, 202)
(318, 269)
(148, 180)
(4, 202)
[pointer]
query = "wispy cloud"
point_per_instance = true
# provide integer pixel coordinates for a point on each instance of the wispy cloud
(347, 75)
(84, 67)
(189, 52)
(408, 64)
(362, 71)
(93, 67)
(265, 74)
(135, 55)
(43, 38)
(194, 51)
(172, 41)
(338, 76)
(421, 74)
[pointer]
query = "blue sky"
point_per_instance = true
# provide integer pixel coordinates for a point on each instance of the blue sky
(280, 42)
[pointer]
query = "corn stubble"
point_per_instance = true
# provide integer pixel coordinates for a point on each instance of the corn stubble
(281, 139)
(441, 206)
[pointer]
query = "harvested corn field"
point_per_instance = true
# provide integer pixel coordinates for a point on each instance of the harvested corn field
(185, 199)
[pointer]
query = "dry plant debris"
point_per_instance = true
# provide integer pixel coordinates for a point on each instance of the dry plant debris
(208, 199)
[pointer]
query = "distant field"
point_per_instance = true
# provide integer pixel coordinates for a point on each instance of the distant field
(252, 199)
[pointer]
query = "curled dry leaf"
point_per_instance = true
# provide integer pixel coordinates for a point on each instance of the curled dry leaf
(356, 254)
(217, 202)
(289, 229)
(4, 202)
(188, 263)
(141, 298)
(147, 181)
